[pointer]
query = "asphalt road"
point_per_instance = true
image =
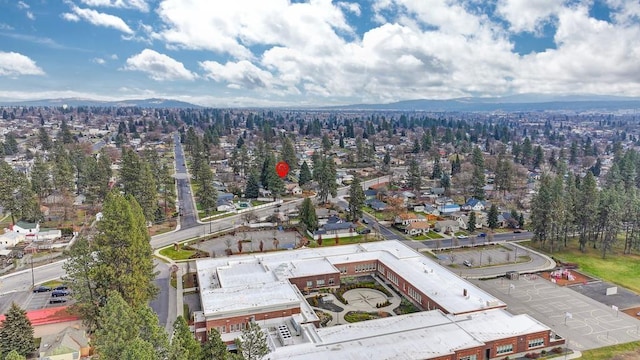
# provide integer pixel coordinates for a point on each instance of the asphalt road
(499, 237)
(188, 216)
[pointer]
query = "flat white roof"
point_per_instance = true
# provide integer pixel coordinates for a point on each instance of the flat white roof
(245, 273)
(248, 298)
(414, 336)
(426, 275)
(421, 335)
(498, 324)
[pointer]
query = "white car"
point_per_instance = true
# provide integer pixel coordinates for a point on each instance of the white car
(462, 236)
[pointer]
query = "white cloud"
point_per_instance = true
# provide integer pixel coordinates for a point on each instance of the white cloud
(30, 15)
(141, 5)
(4, 26)
(242, 74)
(98, 19)
(158, 66)
(70, 17)
(593, 56)
(527, 15)
(114, 57)
(23, 5)
(14, 64)
(99, 61)
(235, 26)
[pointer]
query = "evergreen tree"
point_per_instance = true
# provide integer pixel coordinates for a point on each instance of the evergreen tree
(126, 331)
(504, 174)
(414, 175)
(253, 343)
(9, 183)
(456, 165)
(116, 328)
(289, 153)
(471, 222)
(445, 181)
(252, 190)
(386, 161)
(437, 169)
(493, 217)
(45, 141)
(585, 210)
(184, 341)
(207, 193)
(308, 215)
(123, 253)
(80, 276)
(16, 333)
(326, 177)
(538, 157)
(138, 349)
(138, 180)
(305, 174)
(356, 199)
(326, 143)
(10, 144)
(527, 151)
(14, 355)
(64, 134)
(214, 348)
(477, 178)
(62, 169)
(540, 214)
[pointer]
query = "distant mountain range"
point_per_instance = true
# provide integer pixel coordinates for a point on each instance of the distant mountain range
(516, 103)
(75, 102)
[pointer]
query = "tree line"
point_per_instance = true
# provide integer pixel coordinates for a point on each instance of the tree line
(598, 213)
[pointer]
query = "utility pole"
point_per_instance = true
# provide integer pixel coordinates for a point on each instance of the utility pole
(33, 278)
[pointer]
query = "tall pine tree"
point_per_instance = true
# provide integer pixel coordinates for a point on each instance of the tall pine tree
(16, 333)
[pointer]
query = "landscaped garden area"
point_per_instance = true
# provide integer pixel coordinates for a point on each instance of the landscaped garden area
(360, 299)
(357, 316)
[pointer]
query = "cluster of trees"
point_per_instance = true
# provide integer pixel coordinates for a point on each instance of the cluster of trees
(570, 205)
(148, 180)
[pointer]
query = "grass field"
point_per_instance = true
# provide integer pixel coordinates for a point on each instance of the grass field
(177, 255)
(626, 351)
(617, 268)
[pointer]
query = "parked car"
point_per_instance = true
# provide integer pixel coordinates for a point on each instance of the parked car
(364, 231)
(482, 235)
(57, 293)
(40, 289)
(462, 236)
(57, 301)
(365, 221)
(61, 287)
(467, 263)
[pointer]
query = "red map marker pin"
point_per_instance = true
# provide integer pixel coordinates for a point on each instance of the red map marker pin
(282, 168)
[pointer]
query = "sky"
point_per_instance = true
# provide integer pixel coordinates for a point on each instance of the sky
(231, 53)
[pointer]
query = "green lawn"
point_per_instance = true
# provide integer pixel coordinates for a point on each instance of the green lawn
(630, 349)
(617, 268)
(177, 255)
(342, 241)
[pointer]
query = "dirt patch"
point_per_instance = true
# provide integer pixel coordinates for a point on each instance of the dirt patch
(635, 312)
(566, 277)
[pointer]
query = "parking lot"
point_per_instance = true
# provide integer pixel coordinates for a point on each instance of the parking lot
(583, 321)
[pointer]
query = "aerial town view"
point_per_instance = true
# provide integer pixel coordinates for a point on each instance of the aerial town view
(319, 179)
